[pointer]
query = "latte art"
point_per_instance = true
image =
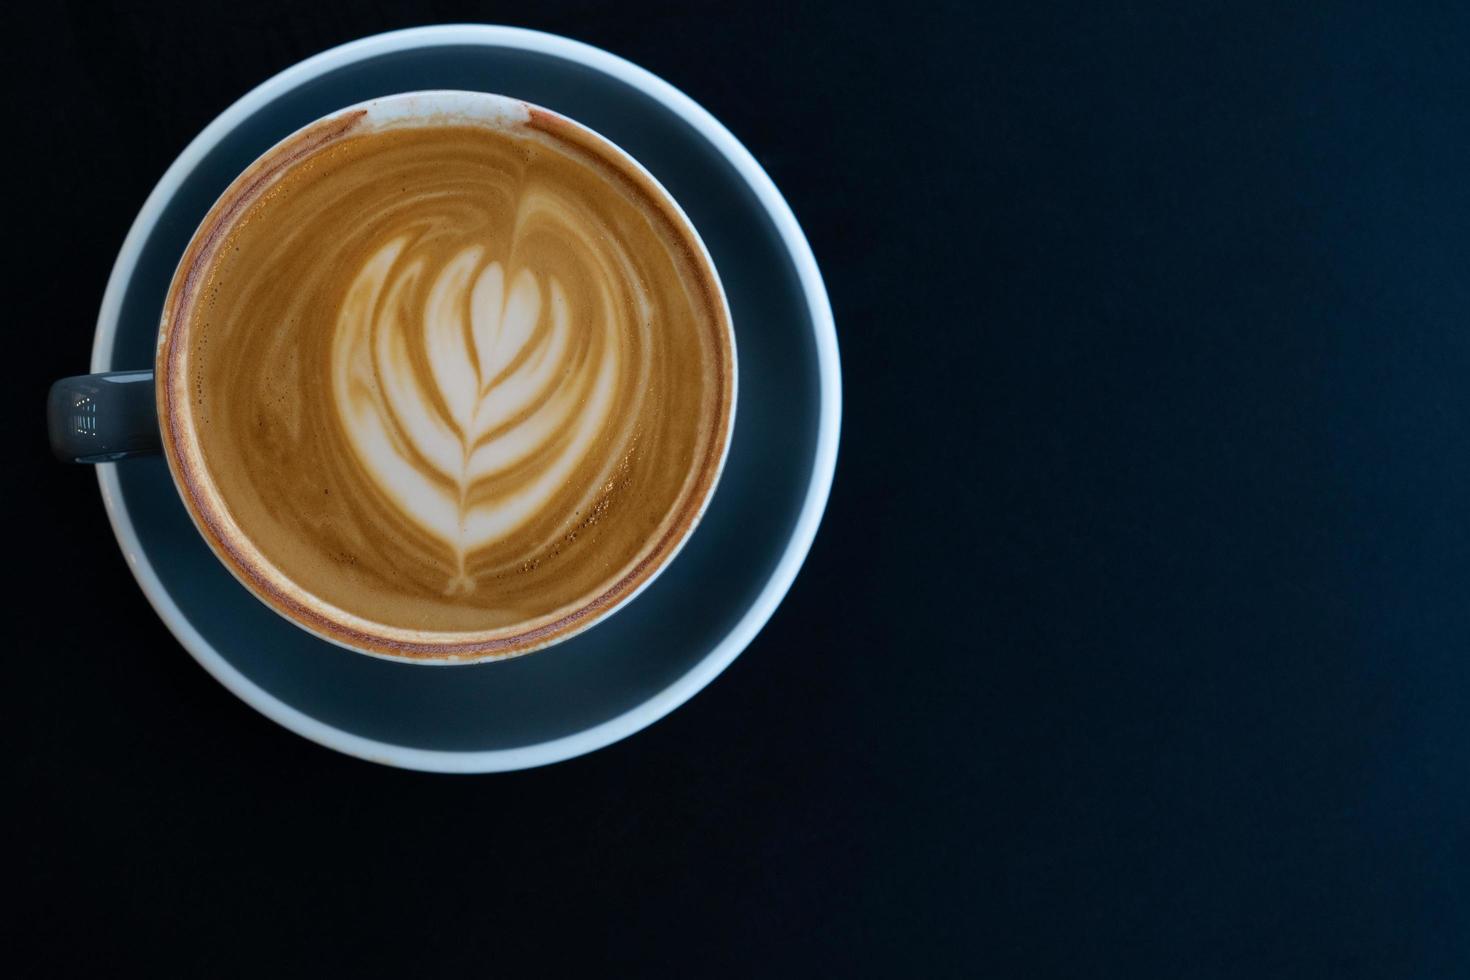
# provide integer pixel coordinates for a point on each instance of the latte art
(472, 412)
(464, 381)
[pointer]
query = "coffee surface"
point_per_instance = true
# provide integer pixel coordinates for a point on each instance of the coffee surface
(454, 378)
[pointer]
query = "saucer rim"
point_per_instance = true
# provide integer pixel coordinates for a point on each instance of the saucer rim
(777, 583)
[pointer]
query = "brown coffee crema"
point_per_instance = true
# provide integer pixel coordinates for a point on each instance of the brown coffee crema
(445, 378)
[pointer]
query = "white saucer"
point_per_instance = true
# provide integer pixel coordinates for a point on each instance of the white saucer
(641, 664)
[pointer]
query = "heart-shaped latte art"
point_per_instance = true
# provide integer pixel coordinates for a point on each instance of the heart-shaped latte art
(470, 394)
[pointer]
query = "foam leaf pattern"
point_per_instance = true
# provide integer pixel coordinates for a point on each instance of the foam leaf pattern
(465, 393)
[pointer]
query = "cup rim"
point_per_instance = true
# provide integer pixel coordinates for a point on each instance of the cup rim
(779, 580)
(234, 546)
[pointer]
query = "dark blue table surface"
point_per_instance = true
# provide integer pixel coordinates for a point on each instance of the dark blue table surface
(1134, 642)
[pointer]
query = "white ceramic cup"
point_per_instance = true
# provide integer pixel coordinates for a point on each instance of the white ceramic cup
(115, 423)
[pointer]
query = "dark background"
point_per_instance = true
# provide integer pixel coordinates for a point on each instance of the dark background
(1134, 641)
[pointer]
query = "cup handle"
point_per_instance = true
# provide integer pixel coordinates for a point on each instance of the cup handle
(99, 418)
